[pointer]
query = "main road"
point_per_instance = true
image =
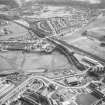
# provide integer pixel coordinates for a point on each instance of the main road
(78, 50)
(64, 47)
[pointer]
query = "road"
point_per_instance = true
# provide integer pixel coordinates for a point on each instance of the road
(20, 89)
(80, 51)
(65, 46)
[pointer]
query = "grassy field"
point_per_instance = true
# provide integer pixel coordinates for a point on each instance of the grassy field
(89, 44)
(28, 62)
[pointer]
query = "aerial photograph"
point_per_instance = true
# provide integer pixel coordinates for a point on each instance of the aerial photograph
(52, 52)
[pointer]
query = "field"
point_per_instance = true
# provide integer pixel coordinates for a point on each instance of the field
(92, 43)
